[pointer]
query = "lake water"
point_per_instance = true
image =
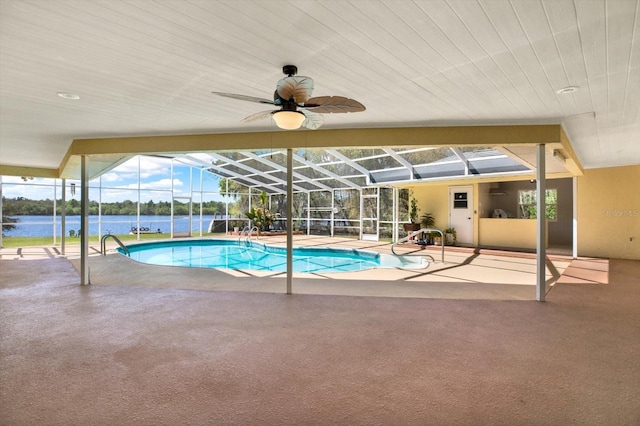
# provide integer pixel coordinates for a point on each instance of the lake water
(42, 226)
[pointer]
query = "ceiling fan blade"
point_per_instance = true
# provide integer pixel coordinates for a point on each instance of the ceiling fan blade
(333, 104)
(244, 98)
(313, 120)
(258, 116)
(297, 87)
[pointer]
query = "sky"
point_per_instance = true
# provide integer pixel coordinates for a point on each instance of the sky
(121, 183)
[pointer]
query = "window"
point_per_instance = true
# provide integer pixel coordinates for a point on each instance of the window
(527, 204)
(459, 200)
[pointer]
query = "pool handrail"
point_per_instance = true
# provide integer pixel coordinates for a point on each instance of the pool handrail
(245, 229)
(249, 232)
(103, 244)
(412, 234)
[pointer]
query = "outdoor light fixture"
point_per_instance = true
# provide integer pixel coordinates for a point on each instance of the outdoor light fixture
(69, 96)
(567, 90)
(289, 120)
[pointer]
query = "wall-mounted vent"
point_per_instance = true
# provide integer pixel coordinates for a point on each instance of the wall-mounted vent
(495, 189)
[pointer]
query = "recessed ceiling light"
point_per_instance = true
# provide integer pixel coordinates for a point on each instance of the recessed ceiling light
(567, 90)
(68, 96)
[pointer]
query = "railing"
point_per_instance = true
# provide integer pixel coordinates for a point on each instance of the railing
(103, 244)
(248, 231)
(414, 234)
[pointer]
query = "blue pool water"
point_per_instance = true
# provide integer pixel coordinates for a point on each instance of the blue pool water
(232, 254)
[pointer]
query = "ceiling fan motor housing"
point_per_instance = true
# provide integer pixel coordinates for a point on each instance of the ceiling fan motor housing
(290, 70)
(286, 104)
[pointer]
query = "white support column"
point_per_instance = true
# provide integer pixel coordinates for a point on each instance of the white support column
(541, 236)
(1, 216)
(84, 222)
(55, 197)
(333, 216)
(63, 218)
(250, 203)
(138, 226)
(378, 212)
(361, 209)
(574, 244)
(191, 204)
(171, 176)
(202, 202)
(100, 207)
(394, 215)
(226, 206)
(289, 220)
(308, 213)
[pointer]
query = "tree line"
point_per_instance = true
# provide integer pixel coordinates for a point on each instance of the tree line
(23, 206)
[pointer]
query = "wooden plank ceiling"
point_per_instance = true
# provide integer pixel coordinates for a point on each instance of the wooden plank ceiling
(144, 68)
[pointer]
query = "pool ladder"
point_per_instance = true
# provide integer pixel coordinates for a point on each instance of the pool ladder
(246, 232)
(415, 234)
(103, 244)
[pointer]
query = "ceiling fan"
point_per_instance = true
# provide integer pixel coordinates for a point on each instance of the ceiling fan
(297, 107)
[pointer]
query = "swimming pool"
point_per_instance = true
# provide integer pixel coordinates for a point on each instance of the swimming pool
(232, 254)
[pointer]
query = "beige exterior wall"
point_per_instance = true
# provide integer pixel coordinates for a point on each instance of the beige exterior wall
(434, 199)
(508, 233)
(609, 213)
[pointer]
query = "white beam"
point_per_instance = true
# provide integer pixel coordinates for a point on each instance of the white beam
(250, 169)
(366, 172)
(232, 173)
(405, 163)
(326, 172)
(280, 168)
(458, 153)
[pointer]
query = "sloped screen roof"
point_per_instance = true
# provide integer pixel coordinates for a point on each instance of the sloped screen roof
(355, 168)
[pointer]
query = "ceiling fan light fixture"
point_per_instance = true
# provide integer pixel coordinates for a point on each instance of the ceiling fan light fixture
(289, 120)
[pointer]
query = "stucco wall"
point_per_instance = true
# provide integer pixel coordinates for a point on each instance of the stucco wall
(561, 230)
(608, 210)
(507, 233)
(609, 213)
(434, 200)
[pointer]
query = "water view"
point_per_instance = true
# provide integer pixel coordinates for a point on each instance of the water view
(43, 226)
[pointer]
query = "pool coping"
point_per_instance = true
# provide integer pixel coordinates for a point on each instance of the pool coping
(266, 248)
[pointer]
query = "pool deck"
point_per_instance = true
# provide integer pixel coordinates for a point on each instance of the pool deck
(465, 274)
(124, 353)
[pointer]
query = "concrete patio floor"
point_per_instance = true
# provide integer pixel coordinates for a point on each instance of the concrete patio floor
(129, 353)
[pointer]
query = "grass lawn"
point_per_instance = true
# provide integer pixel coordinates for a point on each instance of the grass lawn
(93, 239)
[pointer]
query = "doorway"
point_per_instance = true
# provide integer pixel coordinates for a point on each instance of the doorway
(370, 209)
(461, 213)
